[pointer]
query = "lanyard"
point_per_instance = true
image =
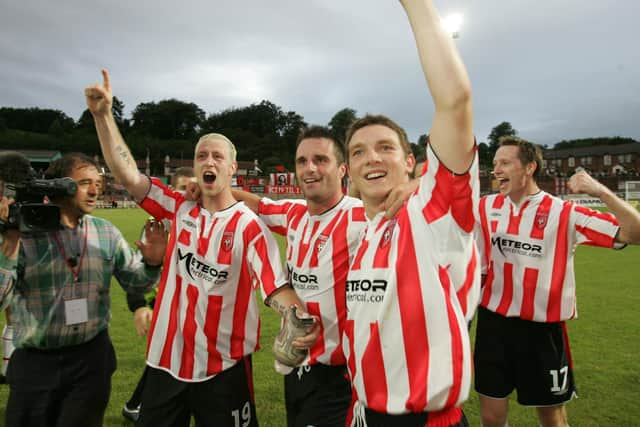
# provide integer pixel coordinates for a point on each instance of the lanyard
(73, 264)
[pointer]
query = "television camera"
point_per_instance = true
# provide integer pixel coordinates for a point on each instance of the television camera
(30, 213)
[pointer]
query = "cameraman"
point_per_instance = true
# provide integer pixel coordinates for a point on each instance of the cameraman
(57, 284)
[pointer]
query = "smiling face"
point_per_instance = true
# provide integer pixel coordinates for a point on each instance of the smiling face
(214, 165)
(318, 173)
(84, 201)
(515, 178)
(377, 164)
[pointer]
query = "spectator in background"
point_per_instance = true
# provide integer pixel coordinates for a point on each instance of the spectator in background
(182, 177)
(419, 167)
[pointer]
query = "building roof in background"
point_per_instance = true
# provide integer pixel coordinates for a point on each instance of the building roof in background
(596, 150)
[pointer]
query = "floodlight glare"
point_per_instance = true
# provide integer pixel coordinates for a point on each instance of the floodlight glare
(452, 24)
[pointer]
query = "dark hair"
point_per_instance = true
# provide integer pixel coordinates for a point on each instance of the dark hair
(528, 152)
(420, 158)
(379, 119)
(322, 132)
(180, 172)
(184, 171)
(67, 163)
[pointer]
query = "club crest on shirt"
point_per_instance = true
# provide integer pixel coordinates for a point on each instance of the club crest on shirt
(388, 234)
(227, 240)
(540, 220)
(321, 242)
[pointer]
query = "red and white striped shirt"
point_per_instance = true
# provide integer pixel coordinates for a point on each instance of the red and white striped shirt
(205, 316)
(319, 248)
(411, 289)
(527, 254)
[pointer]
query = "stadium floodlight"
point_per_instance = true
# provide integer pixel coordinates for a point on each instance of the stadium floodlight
(452, 24)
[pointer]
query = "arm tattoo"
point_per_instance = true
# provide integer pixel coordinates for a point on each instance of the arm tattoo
(277, 306)
(124, 155)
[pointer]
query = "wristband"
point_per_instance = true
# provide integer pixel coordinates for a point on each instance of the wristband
(152, 267)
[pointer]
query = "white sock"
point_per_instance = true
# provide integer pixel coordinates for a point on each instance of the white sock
(7, 347)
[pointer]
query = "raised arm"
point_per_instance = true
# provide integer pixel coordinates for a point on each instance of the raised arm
(115, 151)
(628, 217)
(451, 134)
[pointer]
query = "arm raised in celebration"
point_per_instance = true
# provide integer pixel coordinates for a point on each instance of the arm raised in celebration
(115, 151)
(451, 135)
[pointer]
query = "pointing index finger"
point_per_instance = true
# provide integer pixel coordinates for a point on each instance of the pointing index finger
(106, 81)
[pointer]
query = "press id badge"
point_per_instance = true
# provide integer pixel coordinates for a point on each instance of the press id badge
(75, 311)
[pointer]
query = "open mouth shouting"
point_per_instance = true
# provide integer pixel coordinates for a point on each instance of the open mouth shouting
(208, 177)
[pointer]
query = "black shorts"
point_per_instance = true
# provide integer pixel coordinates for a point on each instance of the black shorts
(69, 386)
(317, 395)
(224, 400)
(532, 357)
(453, 417)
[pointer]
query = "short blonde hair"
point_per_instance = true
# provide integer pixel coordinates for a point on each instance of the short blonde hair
(232, 148)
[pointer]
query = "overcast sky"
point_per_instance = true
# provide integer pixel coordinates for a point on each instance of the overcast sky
(555, 69)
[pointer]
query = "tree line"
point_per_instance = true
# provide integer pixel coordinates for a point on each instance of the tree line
(263, 131)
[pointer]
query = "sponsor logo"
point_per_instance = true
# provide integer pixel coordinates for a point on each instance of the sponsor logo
(516, 247)
(303, 281)
(366, 290)
(199, 270)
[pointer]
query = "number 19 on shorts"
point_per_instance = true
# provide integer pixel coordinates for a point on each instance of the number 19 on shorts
(242, 418)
